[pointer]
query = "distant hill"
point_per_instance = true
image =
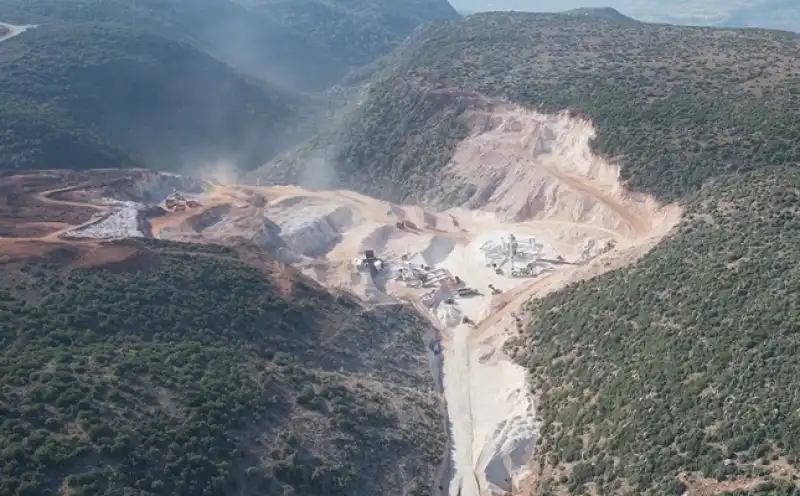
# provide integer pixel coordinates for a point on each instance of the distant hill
(776, 14)
(302, 44)
(605, 13)
(766, 14)
(176, 84)
(82, 96)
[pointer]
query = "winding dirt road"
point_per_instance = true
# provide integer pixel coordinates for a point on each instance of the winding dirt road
(61, 227)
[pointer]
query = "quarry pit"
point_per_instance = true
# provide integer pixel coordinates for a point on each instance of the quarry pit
(546, 212)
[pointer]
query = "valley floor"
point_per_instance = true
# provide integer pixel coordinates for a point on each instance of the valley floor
(468, 269)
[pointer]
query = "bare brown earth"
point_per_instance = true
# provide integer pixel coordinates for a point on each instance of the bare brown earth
(23, 209)
(37, 206)
(30, 221)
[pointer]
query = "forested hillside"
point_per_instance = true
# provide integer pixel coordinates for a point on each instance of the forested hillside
(675, 105)
(678, 372)
(197, 370)
(303, 44)
(682, 370)
(85, 96)
(180, 370)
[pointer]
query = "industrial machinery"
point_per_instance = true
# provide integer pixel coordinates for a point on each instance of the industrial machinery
(513, 251)
(465, 292)
(369, 262)
(176, 202)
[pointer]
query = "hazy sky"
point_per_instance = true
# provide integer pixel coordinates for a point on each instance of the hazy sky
(782, 14)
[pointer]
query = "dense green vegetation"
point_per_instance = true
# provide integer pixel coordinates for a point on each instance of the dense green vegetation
(685, 362)
(305, 44)
(85, 96)
(98, 84)
(679, 371)
(354, 32)
(676, 105)
(400, 129)
(190, 373)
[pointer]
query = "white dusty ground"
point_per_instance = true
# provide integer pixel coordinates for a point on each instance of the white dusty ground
(12, 30)
(535, 177)
(121, 221)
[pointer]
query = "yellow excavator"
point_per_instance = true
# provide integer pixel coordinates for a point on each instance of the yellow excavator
(176, 202)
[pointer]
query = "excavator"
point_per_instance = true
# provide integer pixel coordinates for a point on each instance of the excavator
(176, 202)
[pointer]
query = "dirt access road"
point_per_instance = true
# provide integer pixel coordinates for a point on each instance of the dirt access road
(45, 197)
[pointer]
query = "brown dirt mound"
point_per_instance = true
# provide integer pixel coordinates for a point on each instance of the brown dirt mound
(20, 200)
(58, 254)
(121, 256)
(74, 196)
(10, 228)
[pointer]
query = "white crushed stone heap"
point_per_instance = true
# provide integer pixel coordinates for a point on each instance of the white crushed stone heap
(122, 222)
(449, 315)
(313, 230)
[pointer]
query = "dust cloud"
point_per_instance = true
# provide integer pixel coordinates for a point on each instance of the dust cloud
(318, 174)
(221, 170)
